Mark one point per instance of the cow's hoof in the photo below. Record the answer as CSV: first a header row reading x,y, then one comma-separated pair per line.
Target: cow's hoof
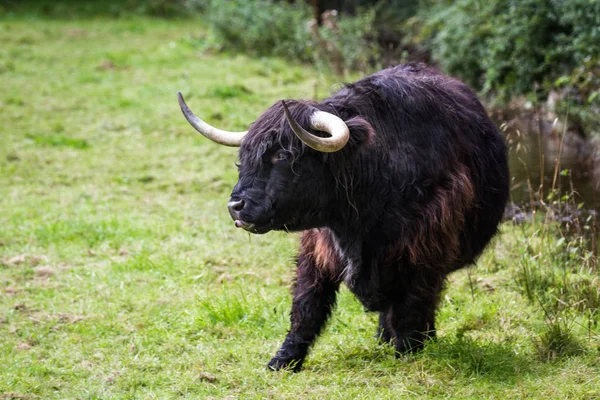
x,y
384,337
288,364
408,346
413,343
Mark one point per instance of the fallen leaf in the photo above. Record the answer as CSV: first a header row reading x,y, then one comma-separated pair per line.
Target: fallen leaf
x,y
487,285
207,377
225,277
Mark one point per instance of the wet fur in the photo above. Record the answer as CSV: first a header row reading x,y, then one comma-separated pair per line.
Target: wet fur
x,y
417,193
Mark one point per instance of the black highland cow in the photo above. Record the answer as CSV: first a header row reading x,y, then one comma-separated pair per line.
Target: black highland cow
x,y
395,181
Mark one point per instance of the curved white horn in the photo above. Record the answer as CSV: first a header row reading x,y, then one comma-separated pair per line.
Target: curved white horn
x,y
233,139
320,121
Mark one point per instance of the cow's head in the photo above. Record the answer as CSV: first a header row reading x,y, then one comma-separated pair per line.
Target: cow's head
x,y
285,182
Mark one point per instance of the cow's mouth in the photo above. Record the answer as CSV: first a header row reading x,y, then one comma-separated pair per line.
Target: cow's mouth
x,y
265,226
252,227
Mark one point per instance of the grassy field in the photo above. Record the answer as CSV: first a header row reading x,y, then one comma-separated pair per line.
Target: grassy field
x,y
122,275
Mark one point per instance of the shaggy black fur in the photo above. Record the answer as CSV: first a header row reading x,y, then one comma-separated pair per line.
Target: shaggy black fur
x,y
416,194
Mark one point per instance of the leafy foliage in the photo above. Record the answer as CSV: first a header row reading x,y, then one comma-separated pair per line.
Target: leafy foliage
x,y
267,27
504,48
261,27
508,47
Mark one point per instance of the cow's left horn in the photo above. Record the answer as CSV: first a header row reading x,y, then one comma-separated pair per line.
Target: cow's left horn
x,y
321,121
233,139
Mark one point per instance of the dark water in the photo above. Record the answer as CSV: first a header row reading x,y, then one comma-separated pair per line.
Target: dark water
x,y
542,157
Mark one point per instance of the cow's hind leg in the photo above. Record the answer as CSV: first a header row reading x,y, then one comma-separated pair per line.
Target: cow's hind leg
x,y
384,331
412,318
315,292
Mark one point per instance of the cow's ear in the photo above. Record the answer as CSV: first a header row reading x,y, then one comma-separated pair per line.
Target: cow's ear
x,y
361,131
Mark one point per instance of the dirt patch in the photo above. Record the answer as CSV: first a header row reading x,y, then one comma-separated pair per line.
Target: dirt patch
x,y
21,259
43,272
36,260
17,396
110,379
23,346
74,33
107,65
17,260
70,318
60,318
11,291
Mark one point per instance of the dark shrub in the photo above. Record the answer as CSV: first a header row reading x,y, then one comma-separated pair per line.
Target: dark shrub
x,y
509,47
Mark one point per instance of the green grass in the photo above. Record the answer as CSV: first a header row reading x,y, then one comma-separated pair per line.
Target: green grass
x,y
122,276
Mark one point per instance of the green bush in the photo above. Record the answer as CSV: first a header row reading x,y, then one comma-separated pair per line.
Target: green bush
x,y
168,8
518,47
494,45
262,27
267,27
349,45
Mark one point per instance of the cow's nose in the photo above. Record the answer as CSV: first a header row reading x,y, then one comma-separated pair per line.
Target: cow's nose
x,y
235,206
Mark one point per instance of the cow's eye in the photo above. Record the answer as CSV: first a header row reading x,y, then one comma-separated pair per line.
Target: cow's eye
x,y
279,156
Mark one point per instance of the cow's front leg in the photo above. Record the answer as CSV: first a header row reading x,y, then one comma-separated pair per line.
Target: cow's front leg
x,y
314,299
314,291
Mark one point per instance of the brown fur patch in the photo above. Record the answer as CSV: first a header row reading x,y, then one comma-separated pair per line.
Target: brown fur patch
x,y
318,245
435,238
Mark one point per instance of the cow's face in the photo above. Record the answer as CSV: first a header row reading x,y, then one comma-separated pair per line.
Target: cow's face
x,y
279,187
286,180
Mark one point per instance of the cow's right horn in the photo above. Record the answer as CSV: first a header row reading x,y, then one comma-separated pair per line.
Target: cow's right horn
x,y
324,122
226,138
